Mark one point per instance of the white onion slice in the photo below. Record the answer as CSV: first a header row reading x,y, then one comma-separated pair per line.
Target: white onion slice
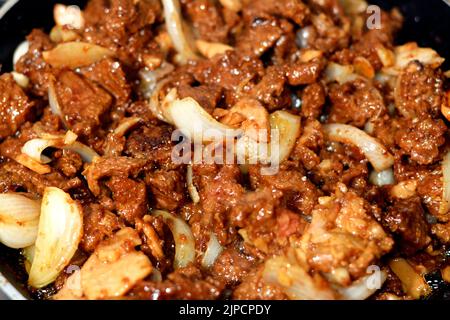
x,y
68,16
361,289
182,235
288,126
60,230
213,250
340,73
21,50
233,5
294,281
34,148
125,125
196,123
87,153
375,152
22,80
19,219
445,203
75,54
210,49
54,103
413,283
31,164
411,51
190,185
382,178
174,26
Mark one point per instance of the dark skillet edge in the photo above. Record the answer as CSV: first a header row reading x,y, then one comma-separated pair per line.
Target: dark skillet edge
x,y
426,22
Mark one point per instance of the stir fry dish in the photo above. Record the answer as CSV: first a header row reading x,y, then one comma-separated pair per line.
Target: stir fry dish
x,y
230,149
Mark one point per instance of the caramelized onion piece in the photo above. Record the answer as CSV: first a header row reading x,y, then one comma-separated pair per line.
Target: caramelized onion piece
x,y
175,26
19,219
182,235
413,283
59,233
21,49
31,164
210,49
288,126
213,251
445,203
75,54
340,73
375,152
190,185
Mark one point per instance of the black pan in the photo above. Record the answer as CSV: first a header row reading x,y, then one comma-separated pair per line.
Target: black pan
x,y
426,22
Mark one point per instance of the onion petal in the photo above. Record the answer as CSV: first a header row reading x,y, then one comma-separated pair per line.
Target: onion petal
x,y
31,164
21,50
174,26
340,73
213,250
360,289
375,152
60,230
75,54
288,126
19,219
182,235
382,178
190,185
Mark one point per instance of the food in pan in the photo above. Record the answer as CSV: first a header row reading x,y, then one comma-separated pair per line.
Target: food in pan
x,y
232,149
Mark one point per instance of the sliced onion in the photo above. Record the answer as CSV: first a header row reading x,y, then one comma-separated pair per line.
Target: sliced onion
x,y
195,122
174,26
22,80
20,51
210,49
75,54
182,235
190,185
445,203
34,148
87,153
59,233
31,164
353,6
294,281
339,73
61,34
125,125
360,289
411,51
213,250
375,152
382,178
413,283
68,16
28,254
54,103
288,127
19,219
115,266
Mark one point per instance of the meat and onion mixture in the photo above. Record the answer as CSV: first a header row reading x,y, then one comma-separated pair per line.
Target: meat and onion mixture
x,y
351,199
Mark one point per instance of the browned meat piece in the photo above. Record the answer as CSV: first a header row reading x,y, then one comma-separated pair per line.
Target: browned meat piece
x,y
33,65
130,198
298,192
421,139
258,37
407,219
69,163
207,20
326,34
114,166
15,106
313,98
343,235
183,284
232,72
294,10
254,288
167,188
36,183
303,73
152,143
355,103
418,92
271,90
231,267
109,75
98,225
219,190
82,102
206,95
429,188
